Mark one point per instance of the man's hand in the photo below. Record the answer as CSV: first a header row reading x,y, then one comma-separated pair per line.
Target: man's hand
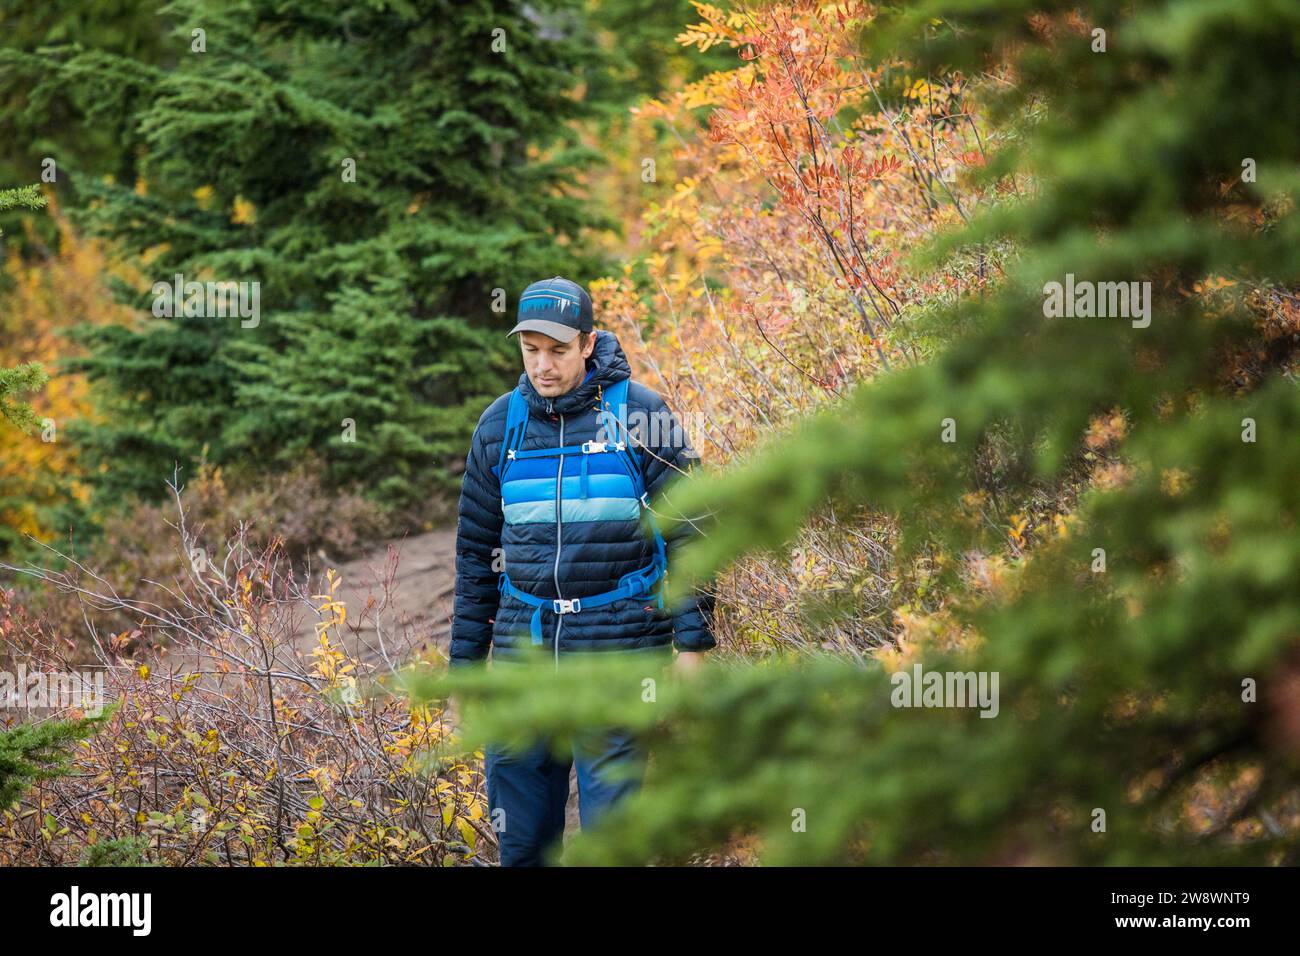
x,y
687,663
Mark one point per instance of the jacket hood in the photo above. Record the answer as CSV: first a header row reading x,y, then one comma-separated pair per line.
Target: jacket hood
x,y
606,365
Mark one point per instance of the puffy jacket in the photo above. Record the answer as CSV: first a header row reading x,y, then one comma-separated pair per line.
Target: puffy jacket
x,y
566,558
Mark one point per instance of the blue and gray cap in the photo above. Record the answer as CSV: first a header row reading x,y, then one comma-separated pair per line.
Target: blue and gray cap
x,y
556,307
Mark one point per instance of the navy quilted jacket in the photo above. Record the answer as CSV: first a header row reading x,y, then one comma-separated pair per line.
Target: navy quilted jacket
x,y
592,555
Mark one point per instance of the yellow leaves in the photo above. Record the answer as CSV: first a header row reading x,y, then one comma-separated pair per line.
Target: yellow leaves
x,y
1174,481
323,777
336,612
41,299
467,832
719,27
710,248
1212,283
919,90
143,671
243,213
1016,532
152,254
336,608
720,89
203,197
701,36
332,664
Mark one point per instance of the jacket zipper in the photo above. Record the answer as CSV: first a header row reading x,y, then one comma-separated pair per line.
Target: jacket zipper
x,y
559,528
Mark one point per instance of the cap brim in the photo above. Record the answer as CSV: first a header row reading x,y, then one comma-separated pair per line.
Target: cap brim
x,y
556,330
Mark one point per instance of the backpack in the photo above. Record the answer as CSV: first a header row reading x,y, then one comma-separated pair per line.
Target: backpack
x,y
610,469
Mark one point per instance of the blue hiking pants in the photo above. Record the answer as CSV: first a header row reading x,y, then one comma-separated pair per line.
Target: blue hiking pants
x,y
532,788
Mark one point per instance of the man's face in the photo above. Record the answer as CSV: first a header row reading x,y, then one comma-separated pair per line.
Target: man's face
x,y
554,367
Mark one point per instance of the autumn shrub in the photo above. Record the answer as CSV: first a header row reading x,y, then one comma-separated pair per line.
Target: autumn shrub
x,y
238,737
138,551
771,279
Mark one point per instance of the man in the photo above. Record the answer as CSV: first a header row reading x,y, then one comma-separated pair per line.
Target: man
x,y
560,495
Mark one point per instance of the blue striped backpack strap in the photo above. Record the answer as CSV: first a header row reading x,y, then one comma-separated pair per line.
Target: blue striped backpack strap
x,y
516,425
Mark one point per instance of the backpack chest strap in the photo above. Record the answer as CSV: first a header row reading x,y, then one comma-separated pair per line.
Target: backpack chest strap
x,y
586,448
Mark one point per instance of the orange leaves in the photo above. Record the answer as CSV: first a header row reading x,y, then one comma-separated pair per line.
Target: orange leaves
x,y
1111,475
1102,431
857,166
769,245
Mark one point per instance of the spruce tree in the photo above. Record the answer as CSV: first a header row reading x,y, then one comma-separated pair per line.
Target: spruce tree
x,y
40,750
391,178
84,128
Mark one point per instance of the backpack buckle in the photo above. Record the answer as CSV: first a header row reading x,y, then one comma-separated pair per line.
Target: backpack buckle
x,y
567,605
588,447
510,453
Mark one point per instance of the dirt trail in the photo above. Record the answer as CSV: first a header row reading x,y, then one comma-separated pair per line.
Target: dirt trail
x,y
420,597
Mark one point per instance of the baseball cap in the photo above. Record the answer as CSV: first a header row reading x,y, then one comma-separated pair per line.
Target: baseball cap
x,y
556,307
